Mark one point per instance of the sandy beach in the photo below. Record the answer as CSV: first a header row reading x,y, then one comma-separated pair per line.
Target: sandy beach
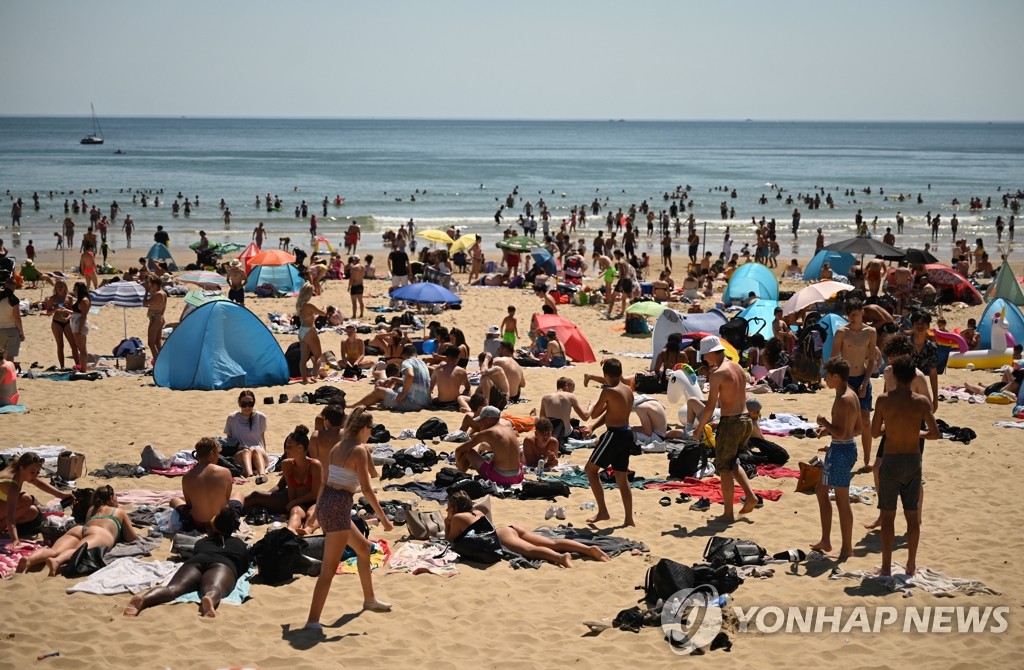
x,y
500,617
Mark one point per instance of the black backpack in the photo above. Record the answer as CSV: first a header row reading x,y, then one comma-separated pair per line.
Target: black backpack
x,y
688,461
449,476
729,551
649,382
379,434
762,452
474,488
328,395
276,556
431,428
723,578
665,578
543,490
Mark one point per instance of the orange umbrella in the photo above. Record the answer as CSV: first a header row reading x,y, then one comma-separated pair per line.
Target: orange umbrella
x,y
272,257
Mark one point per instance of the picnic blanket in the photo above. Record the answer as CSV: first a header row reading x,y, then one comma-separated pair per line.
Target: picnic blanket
x,y
420,558
238,595
380,552
711,489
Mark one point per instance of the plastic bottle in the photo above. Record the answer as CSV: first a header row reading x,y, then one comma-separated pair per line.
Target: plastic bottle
x,y
539,470
588,505
721,601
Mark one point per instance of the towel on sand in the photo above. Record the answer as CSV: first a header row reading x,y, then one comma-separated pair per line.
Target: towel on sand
x,y
9,558
711,489
13,409
925,579
380,552
419,558
238,595
125,575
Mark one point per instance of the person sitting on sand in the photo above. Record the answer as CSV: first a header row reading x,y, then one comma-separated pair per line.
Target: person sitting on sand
x,y
9,394
249,427
213,570
104,524
541,445
498,437
414,394
971,335
22,515
297,488
206,488
840,457
793,271
559,406
462,518
451,382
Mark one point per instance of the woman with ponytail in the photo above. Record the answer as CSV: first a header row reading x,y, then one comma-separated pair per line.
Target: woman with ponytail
x,y
297,489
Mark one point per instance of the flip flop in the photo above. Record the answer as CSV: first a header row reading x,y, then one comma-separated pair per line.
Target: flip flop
x,y
597,626
665,502
684,498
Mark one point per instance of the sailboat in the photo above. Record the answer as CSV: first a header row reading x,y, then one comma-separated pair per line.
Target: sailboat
x,y
97,133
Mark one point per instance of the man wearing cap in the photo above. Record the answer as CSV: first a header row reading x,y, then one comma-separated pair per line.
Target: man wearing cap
x,y
728,389
356,272
499,438
451,382
236,282
492,343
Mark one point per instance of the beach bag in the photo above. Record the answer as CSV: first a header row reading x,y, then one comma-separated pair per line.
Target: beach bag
x,y
379,434
543,490
649,382
276,556
448,477
483,548
723,578
328,395
762,452
265,291
131,346
153,460
727,551
665,578
810,475
431,428
688,461
424,525
85,561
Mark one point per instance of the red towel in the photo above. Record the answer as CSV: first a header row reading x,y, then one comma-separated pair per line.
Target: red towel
x,y
710,489
777,472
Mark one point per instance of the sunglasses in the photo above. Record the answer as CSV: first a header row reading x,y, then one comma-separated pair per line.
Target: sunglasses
x,y
246,403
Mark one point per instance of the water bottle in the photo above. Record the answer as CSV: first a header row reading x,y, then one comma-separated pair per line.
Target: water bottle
x,y
539,470
701,381
588,505
721,601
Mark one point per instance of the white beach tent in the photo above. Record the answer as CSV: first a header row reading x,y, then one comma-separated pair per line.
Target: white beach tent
x,y
672,321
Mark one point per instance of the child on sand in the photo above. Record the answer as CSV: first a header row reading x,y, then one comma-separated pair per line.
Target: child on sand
x,y
612,408
899,414
840,457
509,327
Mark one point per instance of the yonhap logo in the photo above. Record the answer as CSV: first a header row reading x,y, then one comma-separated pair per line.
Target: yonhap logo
x,y
692,619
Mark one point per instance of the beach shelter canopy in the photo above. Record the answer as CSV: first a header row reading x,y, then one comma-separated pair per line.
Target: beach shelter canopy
x,y
672,321
157,253
813,294
272,257
751,277
832,323
519,243
1014,319
867,246
221,345
426,293
438,236
647,308
125,294
247,255
576,345
839,262
284,278
759,318
1006,287
203,277
543,258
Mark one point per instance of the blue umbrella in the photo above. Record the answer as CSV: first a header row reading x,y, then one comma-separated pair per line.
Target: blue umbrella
x,y
544,259
426,293
124,294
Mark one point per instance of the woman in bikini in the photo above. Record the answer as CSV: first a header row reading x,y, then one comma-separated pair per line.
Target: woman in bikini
x,y
555,351
80,323
104,524
458,338
22,515
353,354
296,490
462,518
308,339
156,301
348,470
671,356
60,324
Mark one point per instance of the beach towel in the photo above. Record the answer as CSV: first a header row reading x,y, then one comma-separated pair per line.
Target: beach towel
x,y
143,546
380,552
48,453
710,489
238,595
783,424
419,558
147,497
577,478
425,490
9,558
926,579
13,409
777,472
609,544
1009,424
125,575
171,472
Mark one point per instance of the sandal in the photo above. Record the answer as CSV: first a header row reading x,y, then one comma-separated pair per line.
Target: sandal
x,y
683,498
665,502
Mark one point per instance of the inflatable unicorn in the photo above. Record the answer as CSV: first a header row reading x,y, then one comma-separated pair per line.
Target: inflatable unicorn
x,y
988,359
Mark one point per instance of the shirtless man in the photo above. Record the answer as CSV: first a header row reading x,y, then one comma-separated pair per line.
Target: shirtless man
x,y
559,406
782,331
540,445
451,382
902,284
900,415
612,408
356,272
206,488
236,282
476,256
327,432
874,271
728,388
493,383
495,436
258,233
840,457
513,371
857,344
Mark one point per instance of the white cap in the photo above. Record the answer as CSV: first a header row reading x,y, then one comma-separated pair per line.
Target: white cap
x,y
710,344
489,412
493,330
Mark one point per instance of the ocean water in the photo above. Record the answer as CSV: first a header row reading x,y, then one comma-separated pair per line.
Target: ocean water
x,y
460,171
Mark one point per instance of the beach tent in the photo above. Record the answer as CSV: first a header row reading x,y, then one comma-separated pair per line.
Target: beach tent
x,y
159,252
840,263
832,323
246,256
947,281
220,346
284,278
576,345
762,309
1014,318
672,321
1006,287
751,277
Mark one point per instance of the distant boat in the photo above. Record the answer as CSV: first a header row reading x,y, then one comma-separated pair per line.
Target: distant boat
x,y
97,132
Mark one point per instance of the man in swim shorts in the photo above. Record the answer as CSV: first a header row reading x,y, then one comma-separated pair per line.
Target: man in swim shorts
x,y
857,343
840,457
728,388
236,282
206,489
356,272
505,467
614,447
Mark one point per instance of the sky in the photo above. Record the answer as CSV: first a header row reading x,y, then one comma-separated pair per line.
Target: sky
x,y
910,60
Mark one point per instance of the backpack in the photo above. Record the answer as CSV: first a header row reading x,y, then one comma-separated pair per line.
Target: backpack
x,y
728,551
665,578
328,395
276,556
649,382
448,477
379,434
543,490
475,488
688,461
763,452
431,428
723,578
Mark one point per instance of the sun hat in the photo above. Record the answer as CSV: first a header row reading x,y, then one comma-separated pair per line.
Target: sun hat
x,y
709,345
493,330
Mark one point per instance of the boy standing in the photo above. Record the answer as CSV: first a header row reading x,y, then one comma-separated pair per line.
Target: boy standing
x,y
857,344
509,327
613,449
840,457
900,414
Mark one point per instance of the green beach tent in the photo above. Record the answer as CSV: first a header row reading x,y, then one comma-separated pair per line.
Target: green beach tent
x,y
1006,287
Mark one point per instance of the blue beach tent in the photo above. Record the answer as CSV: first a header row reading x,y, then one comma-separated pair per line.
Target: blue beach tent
x,y
284,278
839,262
751,277
832,323
221,345
1014,318
159,252
764,310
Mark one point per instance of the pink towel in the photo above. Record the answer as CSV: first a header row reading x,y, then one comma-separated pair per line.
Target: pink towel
x,y
777,472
